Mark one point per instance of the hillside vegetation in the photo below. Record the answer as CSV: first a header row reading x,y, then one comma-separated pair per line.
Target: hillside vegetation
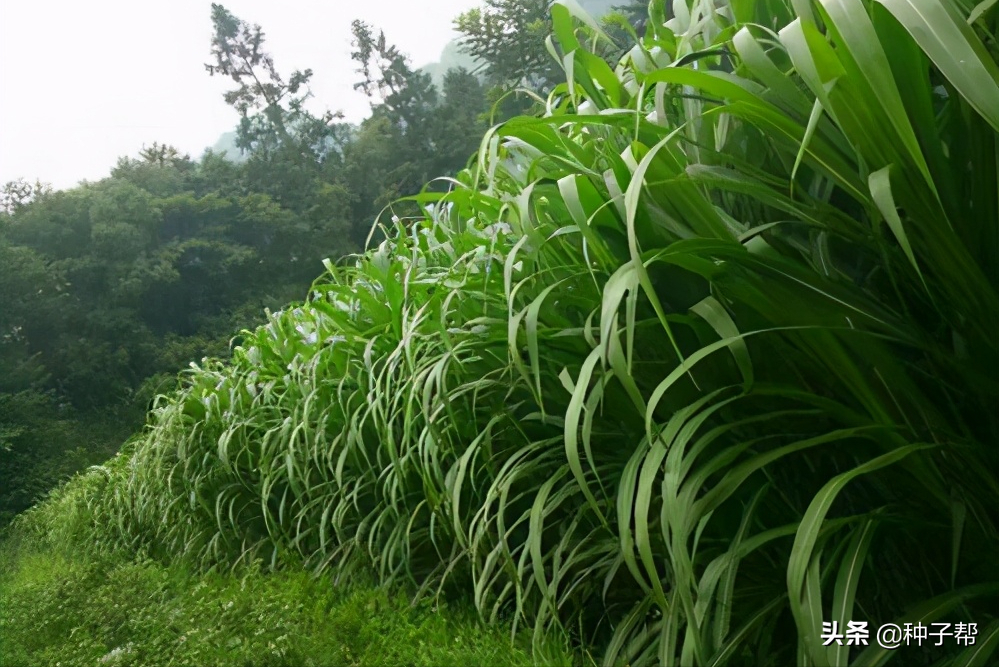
x,y
701,357
107,289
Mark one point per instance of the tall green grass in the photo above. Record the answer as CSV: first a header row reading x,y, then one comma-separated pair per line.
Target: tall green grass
x,y
702,357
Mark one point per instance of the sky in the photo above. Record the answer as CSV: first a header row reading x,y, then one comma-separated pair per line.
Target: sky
x,y
82,84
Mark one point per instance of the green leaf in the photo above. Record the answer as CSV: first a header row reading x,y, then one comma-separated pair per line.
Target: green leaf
x,y
955,48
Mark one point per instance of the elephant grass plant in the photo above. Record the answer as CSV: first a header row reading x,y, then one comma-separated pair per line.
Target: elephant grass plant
x,y
700,358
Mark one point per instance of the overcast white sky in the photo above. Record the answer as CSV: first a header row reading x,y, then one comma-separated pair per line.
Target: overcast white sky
x,y
83,83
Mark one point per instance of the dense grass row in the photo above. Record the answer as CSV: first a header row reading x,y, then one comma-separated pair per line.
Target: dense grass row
x,y
699,359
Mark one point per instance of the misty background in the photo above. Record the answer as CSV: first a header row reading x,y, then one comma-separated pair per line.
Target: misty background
x,y
85,84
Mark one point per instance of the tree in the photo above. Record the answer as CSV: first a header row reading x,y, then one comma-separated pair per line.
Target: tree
x,y
163,154
509,37
19,192
404,131
272,110
459,120
406,96
161,170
